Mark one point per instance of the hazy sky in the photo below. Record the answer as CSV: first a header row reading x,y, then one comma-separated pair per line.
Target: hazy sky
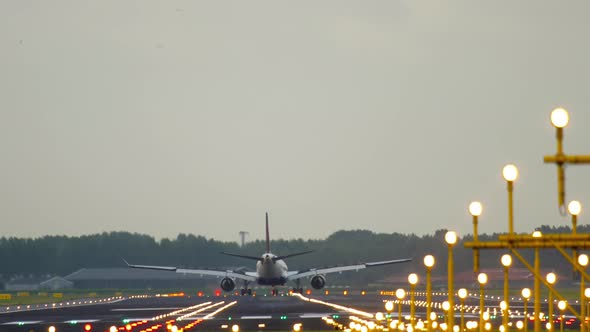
x,y
163,117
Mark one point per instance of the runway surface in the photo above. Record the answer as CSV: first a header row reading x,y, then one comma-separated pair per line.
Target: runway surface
x,y
220,313
192,313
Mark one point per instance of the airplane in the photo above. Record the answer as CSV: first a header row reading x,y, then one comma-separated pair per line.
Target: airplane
x,y
271,270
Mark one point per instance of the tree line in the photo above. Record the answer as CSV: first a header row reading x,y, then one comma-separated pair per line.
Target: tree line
x,y
61,255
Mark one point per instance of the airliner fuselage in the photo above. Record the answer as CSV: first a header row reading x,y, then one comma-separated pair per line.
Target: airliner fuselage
x,y
271,271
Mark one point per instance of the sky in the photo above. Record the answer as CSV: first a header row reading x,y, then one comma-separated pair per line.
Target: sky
x,y
167,117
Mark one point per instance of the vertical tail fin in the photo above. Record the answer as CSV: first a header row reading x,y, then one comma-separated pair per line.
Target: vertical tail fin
x,y
267,235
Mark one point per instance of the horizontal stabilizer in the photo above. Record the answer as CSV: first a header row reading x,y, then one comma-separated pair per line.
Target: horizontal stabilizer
x,y
293,255
254,258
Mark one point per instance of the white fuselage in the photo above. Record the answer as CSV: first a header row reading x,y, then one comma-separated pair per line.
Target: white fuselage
x,y
271,271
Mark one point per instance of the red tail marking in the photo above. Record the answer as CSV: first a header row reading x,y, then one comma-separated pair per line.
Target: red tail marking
x,y
267,235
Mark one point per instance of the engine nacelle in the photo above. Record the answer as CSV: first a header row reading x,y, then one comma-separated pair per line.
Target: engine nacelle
x,y
318,282
227,284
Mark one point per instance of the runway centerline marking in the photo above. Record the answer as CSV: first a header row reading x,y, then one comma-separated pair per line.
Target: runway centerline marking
x,y
23,322
256,317
144,309
74,321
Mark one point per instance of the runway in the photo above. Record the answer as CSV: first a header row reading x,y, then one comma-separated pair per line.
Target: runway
x,y
189,312
221,313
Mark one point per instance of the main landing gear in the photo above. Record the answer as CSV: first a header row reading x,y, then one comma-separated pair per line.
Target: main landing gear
x,y
297,289
245,290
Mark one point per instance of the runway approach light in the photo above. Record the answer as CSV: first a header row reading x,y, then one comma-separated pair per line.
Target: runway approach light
x,y
510,173
113,329
475,209
235,328
583,260
51,329
87,327
559,117
574,208
451,237
297,327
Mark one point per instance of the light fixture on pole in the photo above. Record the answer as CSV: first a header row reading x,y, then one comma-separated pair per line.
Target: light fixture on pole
x,y
462,292
400,293
574,208
451,239
560,119
561,306
446,306
413,280
482,278
526,295
429,262
475,209
583,261
551,279
506,262
537,284
510,174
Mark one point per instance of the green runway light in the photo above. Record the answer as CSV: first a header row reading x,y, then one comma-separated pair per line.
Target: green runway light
x,y
335,316
74,322
126,320
284,317
229,318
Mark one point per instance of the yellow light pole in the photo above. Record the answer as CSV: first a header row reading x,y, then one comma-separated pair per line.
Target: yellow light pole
x,y
503,308
389,309
574,208
506,262
413,280
551,279
560,119
561,306
446,307
526,295
583,261
462,292
429,262
586,297
400,293
451,239
510,174
482,278
475,209
537,284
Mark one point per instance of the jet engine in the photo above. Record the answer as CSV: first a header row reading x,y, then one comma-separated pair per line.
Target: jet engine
x,y
227,284
318,282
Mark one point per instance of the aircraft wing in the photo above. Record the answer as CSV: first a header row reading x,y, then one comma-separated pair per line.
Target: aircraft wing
x,y
203,272
356,267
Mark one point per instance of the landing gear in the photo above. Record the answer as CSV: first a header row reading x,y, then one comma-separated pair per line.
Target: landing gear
x,y
245,290
298,288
